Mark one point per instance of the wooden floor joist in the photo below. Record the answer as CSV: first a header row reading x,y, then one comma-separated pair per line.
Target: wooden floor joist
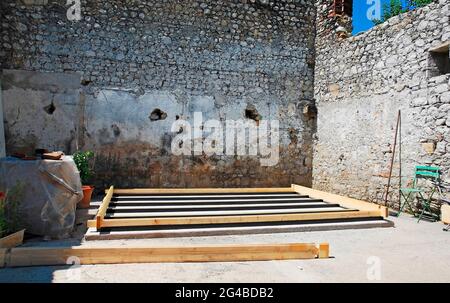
x,y
203,213
3,257
232,219
152,191
214,206
206,196
42,256
217,200
115,210
203,202
103,208
343,201
445,213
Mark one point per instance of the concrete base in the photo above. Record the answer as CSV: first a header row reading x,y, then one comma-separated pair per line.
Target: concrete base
x,y
92,234
358,255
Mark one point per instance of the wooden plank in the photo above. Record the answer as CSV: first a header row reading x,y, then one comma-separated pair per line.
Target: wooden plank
x,y
200,202
343,201
206,196
238,212
42,256
149,191
219,200
445,213
233,219
324,251
103,208
12,240
123,207
3,257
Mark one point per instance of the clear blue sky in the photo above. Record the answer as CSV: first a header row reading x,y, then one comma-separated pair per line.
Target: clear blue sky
x,y
361,22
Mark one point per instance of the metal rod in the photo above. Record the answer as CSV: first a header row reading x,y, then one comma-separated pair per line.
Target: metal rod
x,y
392,159
399,158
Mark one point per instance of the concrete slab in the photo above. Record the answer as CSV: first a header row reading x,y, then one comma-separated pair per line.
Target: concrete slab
x,y
92,234
410,252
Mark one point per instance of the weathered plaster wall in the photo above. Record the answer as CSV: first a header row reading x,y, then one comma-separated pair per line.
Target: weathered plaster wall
x,y
40,110
360,84
179,56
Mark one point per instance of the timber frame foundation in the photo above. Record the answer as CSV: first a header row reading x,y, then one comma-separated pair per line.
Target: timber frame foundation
x,y
144,198
169,209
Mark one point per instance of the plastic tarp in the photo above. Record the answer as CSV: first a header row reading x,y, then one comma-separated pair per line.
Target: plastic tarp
x,y
46,193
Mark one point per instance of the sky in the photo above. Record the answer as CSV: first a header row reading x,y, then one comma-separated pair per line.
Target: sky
x,y
361,22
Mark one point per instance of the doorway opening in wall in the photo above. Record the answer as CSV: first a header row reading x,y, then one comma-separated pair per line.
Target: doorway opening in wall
x,y
343,7
439,60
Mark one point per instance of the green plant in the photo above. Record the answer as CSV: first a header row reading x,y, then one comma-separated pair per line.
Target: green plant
x,y
420,3
377,21
10,220
396,7
82,162
391,9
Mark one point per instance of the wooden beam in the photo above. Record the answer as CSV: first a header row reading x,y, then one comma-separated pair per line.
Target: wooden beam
x,y
44,256
3,257
324,251
213,196
149,191
216,202
103,208
243,200
234,219
381,211
208,213
12,240
150,207
445,213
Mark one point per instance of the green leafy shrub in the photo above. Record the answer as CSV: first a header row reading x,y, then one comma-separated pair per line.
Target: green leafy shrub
x,y
10,220
420,3
82,162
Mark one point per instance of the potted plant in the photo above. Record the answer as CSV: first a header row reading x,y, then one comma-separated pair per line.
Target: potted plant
x,y
82,162
11,233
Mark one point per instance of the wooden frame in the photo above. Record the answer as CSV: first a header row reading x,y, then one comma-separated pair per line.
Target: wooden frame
x,y
233,219
146,191
343,201
445,213
44,256
3,257
99,218
357,208
12,240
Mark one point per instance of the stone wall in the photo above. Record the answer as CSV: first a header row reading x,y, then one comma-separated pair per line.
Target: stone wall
x,y
360,84
135,57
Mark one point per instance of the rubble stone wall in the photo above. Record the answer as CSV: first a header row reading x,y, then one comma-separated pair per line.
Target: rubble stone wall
x,y
135,58
360,84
